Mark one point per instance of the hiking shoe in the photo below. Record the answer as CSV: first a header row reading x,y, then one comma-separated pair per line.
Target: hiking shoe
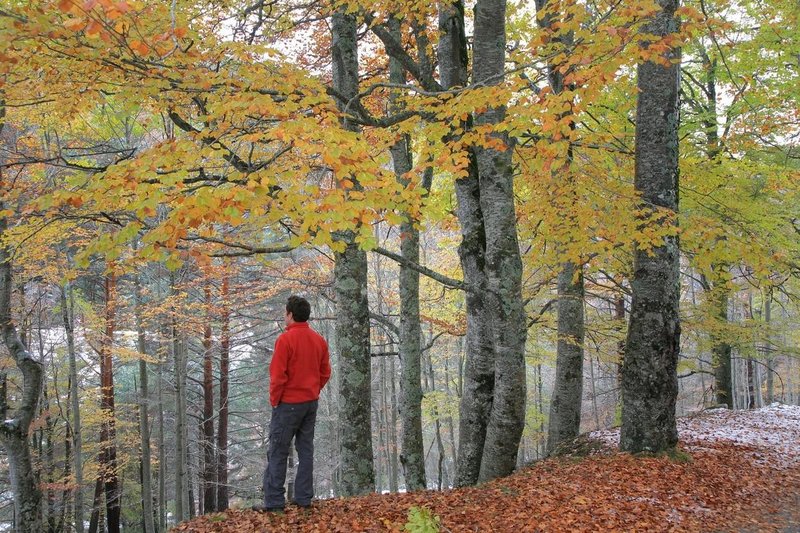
x,y
260,508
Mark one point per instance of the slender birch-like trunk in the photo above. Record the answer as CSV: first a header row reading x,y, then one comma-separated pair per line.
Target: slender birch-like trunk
x,y
108,452
68,317
209,471
412,456
181,488
224,370
144,420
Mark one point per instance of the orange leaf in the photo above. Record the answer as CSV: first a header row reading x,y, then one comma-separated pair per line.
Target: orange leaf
x,y
139,47
74,24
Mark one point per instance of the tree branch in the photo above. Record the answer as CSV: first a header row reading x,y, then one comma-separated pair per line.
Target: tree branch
x,y
425,271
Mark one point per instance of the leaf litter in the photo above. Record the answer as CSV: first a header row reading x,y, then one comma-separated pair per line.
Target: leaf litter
x,y
742,474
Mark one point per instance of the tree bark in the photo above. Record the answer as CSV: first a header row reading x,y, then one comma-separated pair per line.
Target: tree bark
x,y
108,428
208,489
751,384
68,316
14,430
352,307
412,456
719,293
181,488
224,370
97,503
478,382
768,349
649,380
144,421
393,456
619,315
721,350
355,376
162,456
565,405
503,264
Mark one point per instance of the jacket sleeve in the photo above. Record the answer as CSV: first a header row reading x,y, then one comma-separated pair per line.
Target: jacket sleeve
x,y
325,367
278,375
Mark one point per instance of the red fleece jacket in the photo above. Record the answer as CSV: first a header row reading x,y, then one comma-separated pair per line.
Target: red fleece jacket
x,y
300,365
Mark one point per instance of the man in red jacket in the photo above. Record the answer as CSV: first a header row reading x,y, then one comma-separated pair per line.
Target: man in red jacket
x,y
299,370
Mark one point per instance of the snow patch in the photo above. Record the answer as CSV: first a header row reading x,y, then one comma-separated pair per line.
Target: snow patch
x,y
775,429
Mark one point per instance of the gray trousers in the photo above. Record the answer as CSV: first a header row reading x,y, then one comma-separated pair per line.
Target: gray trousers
x,y
290,420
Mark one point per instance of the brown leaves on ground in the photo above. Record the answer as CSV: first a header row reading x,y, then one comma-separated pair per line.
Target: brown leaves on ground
x,y
724,487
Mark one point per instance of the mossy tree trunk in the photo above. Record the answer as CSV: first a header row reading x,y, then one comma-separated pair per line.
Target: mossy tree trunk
x,y
14,427
503,264
357,474
649,373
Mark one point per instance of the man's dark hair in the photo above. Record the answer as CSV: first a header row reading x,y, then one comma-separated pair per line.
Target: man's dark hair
x,y
299,307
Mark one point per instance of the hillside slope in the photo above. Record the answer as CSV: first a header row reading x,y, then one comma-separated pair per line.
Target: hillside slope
x,y
741,473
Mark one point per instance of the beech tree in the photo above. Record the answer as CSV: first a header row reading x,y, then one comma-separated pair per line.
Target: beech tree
x,y
649,371
15,426
565,405
352,307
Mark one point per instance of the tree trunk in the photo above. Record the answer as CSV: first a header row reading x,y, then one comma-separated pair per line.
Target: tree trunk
x,y
437,429
108,428
97,503
565,405
162,456
352,308
649,380
540,405
768,349
619,315
68,463
721,350
393,457
412,456
144,421
224,369
208,488
68,316
355,377
14,430
181,503
718,289
478,385
503,264
48,459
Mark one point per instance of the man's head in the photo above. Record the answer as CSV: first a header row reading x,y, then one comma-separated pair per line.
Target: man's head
x,y
297,309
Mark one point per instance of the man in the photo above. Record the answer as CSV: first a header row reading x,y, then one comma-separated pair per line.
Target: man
x,y
299,370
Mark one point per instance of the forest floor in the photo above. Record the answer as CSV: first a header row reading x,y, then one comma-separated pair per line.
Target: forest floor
x,y
738,471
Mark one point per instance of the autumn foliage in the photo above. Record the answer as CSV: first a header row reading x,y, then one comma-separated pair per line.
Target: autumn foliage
x,y
725,484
